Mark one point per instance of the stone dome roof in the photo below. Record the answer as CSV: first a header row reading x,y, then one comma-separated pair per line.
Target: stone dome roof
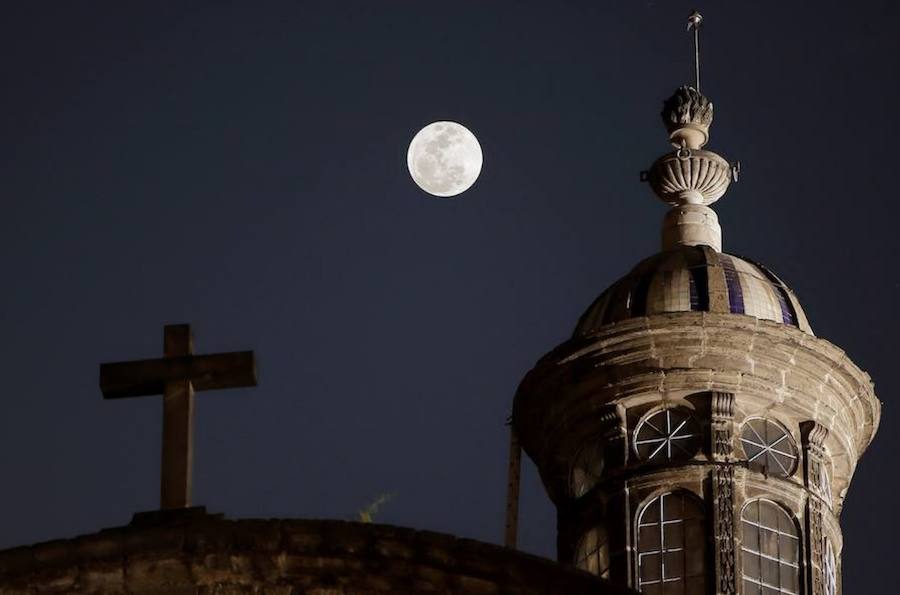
x,y
695,278
186,551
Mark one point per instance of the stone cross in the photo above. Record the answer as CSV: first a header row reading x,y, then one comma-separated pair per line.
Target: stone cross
x,y
176,376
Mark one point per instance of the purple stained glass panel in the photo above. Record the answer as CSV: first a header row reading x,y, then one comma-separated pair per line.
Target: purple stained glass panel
x,y
733,282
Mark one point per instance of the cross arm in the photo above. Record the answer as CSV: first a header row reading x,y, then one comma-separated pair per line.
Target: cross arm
x,y
206,372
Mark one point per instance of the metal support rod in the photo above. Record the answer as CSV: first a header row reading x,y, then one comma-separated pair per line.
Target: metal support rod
x,y
512,490
697,57
694,21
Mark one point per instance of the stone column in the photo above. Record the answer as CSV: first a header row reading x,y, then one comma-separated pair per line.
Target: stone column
x,y
813,435
722,450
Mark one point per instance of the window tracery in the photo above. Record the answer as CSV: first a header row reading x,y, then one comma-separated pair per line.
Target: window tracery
x,y
592,553
769,447
669,434
671,546
770,550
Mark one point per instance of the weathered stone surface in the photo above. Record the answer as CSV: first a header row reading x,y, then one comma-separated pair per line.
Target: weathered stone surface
x,y
693,361
212,556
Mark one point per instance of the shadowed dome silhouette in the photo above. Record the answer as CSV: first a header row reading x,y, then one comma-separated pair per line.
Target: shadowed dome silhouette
x,y
695,278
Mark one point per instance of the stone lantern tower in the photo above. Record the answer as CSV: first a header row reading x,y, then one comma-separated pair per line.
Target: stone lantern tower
x,y
695,435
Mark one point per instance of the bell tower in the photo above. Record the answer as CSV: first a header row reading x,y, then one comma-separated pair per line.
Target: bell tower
x,y
694,434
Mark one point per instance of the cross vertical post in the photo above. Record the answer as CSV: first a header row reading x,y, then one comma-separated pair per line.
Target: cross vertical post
x,y
178,421
176,376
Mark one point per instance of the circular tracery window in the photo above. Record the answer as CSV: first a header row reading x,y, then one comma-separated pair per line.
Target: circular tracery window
x,y
769,447
667,435
586,469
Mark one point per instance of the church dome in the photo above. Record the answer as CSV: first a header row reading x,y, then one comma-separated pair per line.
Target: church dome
x,y
695,278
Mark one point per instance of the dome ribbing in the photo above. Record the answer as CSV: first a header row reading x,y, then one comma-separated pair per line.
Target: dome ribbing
x,y
695,278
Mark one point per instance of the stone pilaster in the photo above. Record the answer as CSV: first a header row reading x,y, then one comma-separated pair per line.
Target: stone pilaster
x,y
814,435
621,540
614,434
722,426
722,450
613,431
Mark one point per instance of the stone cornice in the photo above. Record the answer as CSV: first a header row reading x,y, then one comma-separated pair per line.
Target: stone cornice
x,y
765,364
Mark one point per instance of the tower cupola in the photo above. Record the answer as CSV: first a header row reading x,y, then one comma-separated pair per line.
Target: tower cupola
x,y
694,435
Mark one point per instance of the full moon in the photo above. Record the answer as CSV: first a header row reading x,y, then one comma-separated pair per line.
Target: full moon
x,y
444,159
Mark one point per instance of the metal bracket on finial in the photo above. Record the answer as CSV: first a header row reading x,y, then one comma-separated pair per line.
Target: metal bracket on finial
x,y
695,20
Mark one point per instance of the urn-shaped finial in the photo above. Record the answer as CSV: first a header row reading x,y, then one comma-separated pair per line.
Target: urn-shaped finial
x,y
690,178
688,115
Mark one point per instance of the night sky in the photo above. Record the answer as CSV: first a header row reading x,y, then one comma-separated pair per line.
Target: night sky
x,y
241,166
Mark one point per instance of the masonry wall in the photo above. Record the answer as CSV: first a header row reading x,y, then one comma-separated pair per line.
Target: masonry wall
x,y
210,555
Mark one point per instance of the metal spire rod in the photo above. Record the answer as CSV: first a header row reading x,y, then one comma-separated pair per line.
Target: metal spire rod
x,y
513,481
694,21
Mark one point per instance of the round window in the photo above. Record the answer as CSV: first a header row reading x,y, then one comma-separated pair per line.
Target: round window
x,y
667,435
769,447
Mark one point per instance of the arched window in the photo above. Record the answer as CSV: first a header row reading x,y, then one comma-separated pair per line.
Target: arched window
x,y
769,447
672,546
770,550
667,435
586,469
830,571
592,553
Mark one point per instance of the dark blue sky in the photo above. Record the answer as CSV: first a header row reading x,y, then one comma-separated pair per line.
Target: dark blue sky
x,y
241,166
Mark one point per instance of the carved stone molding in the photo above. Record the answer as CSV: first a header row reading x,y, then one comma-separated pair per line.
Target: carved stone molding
x,y
816,547
723,405
722,426
612,421
721,409
814,435
695,177
613,431
724,526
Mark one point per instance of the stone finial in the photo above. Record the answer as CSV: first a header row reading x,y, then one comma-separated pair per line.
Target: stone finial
x,y
687,115
690,178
